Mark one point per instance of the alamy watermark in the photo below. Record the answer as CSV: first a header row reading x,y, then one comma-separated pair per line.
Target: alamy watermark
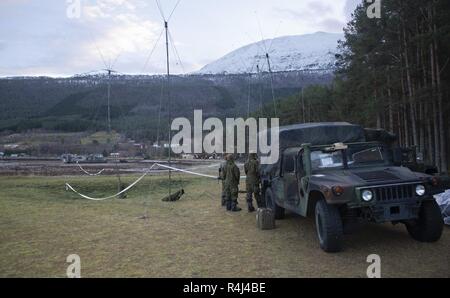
x,y
74,9
241,136
374,269
374,9
74,269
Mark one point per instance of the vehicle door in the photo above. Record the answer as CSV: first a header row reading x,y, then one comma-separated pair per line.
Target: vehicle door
x,y
290,178
302,182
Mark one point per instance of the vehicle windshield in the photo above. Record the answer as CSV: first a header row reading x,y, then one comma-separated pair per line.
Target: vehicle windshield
x,y
326,160
368,155
357,155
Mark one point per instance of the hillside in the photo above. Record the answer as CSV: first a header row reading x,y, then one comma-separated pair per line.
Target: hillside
x,y
80,103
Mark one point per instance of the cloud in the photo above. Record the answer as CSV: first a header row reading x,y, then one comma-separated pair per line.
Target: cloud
x,y
317,8
37,37
319,16
350,6
119,30
107,8
332,25
309,13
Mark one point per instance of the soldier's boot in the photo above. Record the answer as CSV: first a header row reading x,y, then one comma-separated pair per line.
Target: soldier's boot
x,y
250,203
224,201
235,208
229,205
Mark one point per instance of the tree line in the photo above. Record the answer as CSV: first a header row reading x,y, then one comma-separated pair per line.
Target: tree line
x,y
392,73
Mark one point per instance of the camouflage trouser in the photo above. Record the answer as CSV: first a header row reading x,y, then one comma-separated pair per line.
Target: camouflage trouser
x,y
254,189
231,195
224,197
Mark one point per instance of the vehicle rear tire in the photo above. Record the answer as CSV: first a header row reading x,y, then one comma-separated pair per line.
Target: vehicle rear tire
x,y
270,203
428,227
329,226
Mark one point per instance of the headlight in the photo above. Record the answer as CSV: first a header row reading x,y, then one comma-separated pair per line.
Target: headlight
x,y
338,190
420,190
435,181
367,195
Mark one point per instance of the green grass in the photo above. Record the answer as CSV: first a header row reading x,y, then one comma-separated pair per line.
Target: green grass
x,y
101,137
41,224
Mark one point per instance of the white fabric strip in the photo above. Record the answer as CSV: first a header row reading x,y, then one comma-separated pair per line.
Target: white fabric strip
x,y
69,187
90,174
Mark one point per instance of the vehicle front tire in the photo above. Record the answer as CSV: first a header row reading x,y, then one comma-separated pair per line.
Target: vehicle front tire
x,y
428,227
329,226
270,203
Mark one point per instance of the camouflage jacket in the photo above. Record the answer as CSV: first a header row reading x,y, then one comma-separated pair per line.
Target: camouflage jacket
x,y
231,175
251,168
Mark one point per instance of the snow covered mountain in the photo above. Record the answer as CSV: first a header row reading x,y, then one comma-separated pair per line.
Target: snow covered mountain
x,y
299,52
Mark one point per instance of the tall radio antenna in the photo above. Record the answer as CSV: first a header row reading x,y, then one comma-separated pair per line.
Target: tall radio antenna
x,y
109,72
166,28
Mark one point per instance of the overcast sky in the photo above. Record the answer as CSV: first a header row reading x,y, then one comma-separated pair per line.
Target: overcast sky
x,y
37,37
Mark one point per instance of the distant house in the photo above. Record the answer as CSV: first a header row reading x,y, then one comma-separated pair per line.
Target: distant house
x,y
166,145
11,146
2,154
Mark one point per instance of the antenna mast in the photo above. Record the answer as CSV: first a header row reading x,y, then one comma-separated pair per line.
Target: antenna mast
x,y
260,89
166,26
109,100
303,105
271,84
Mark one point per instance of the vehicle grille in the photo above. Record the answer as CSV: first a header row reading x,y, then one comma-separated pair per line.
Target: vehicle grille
x,y
376,176
394,192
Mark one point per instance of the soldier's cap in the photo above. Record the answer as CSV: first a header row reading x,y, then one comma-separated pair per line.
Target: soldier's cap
x,y
229,157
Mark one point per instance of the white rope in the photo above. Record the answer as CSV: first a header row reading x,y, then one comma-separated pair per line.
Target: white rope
x,y
106,198
186,171
192,173
69,187
90,174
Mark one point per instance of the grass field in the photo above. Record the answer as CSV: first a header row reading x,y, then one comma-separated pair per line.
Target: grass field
x,y
101,137
41,224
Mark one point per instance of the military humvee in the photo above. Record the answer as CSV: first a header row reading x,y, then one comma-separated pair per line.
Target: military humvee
x,y
343,174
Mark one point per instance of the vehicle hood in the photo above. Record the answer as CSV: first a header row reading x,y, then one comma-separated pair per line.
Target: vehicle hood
x,y
366,176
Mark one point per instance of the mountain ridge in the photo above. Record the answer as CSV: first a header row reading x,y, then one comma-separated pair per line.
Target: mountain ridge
x,y
315,51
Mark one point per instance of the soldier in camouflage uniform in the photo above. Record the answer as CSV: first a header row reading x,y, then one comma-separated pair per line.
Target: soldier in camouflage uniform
x,y
232,175
253,180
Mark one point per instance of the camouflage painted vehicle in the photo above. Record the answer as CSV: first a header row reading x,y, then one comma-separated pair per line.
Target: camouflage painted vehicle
x,y
342,175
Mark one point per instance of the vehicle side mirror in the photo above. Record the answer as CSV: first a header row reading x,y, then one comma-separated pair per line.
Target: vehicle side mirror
x,y
419,157
397,156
